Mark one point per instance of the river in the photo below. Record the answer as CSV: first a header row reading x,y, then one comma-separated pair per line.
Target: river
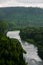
x,y
31,56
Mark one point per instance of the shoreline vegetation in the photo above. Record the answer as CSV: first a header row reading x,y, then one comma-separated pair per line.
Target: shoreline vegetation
x,y
11,51
34,36
30,23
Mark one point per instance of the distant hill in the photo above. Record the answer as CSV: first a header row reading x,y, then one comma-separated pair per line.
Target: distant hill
x,y
22,16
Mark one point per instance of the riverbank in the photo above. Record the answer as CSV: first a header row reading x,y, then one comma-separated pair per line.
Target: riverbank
x,y
33,36
31,55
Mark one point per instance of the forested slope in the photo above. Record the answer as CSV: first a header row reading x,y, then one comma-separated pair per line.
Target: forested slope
x,y
34,36
11,51
22,16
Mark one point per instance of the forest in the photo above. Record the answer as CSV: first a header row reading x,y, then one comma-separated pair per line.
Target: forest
x,y
30,23
11,51
20,17
34,36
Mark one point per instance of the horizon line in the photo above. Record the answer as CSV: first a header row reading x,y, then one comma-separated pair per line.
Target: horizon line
x,y
22,6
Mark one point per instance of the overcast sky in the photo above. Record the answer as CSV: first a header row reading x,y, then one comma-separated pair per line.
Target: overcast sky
x,y
24,3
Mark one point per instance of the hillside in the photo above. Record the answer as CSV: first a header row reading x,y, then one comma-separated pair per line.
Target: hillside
x,y
22,16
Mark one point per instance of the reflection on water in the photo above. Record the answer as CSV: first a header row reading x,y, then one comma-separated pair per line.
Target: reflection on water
x,y
31,56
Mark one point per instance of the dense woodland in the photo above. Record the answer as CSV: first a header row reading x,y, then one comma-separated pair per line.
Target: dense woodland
x,y
30,22
11,51
34,36
20,17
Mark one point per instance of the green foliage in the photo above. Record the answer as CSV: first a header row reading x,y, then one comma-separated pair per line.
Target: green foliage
x,y
3,27
20,17
34,36
11,52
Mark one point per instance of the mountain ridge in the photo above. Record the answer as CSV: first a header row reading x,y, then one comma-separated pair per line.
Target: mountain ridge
x,y
22,16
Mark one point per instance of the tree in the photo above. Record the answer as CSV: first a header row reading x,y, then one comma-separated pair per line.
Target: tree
x,y
3,27
11,52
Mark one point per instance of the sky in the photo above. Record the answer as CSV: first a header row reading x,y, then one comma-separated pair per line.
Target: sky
x,y
23,3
